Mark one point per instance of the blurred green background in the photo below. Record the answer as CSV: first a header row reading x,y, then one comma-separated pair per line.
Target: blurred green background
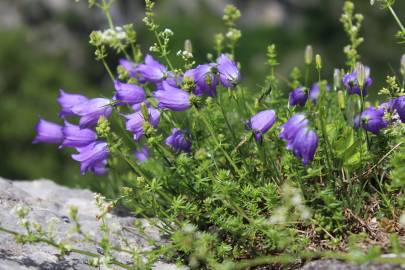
x,y
44,47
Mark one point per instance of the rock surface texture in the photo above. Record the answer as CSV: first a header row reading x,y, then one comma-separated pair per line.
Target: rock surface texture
x,y
49,201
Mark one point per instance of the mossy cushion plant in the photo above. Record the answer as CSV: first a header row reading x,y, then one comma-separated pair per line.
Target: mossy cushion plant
x,y
236,177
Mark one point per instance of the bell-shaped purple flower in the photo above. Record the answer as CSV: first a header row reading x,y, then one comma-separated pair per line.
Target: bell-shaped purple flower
x,y
171,79
315,91
356,121
74,136
48,132
229,74
172,98
129,93
372,119
93,157
152,71
130,67
290,128
261,123
298,96
91,110
352,85
305,145
178,141
67,101
136,120
204,78
399,106
142,154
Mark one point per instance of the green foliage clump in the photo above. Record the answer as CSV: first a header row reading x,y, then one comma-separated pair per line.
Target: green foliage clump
x,y
238,200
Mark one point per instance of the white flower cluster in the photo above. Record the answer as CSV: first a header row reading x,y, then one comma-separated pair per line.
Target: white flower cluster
x,y
185,54
293,209
110,35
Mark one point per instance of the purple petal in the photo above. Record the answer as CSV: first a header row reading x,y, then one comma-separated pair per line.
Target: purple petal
x,y
48,132
67,101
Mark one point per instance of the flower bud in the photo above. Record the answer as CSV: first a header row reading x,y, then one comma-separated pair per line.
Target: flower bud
x,y
403,65
188,46
318,61
337,79
309,54
361,74
145,112
341,99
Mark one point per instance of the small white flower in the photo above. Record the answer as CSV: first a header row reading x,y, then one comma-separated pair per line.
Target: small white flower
x,y
168,32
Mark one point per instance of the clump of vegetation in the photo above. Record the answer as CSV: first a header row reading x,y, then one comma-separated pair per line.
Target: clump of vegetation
x,y
240,177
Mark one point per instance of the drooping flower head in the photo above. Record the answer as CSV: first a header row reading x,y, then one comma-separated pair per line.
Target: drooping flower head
x,y
130,67
399,106
315,91
204,79
135,122
93,157
372,119
178,141
91,110
67,101
229,74
305,145
298,96
151,71
129,93
74,136
290,128
142,154
261,123
48,132
171,79
352,85
172,98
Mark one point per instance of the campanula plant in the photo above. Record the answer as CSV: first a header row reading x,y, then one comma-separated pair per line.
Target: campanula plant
x,y
234,175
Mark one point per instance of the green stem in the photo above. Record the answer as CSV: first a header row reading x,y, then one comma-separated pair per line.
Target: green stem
x,y
106,9
396,18
163,51
213,135
108,70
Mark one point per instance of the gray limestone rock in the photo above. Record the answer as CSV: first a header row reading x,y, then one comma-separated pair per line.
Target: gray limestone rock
x,y
49,202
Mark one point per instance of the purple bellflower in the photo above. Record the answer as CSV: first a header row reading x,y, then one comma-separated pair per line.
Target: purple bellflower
x,y
129,93
315,91
305,145
290,128
172,98
372,120
399,106
204,78
136,120
171,79
74,136
67,101
152,71
48,132
178,141
352,85
91,110
130,67
142,154
93,157
298,96
261,123
229,74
